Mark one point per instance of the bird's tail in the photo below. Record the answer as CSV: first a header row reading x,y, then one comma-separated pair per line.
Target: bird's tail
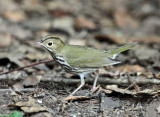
x,y
113,53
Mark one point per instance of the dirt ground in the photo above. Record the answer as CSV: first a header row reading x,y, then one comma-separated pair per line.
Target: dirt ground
x,y
128,89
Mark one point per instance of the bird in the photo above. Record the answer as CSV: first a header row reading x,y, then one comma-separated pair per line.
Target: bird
x,y
81,60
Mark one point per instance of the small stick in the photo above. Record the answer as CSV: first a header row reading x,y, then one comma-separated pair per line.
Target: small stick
x,y
19,68
18,90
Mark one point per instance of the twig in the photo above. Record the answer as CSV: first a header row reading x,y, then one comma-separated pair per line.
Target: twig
x,y
132,83
122,81
27,66
18,90
75,98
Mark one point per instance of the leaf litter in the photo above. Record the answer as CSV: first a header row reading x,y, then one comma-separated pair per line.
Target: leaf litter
x,y
41,90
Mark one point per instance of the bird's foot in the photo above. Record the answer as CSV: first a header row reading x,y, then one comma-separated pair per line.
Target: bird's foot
x,y
94,89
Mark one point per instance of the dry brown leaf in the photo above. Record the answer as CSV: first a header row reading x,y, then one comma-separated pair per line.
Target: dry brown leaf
x,y
18,86
124,21
29,107
32,80
42,114
147,39
83,23
125,91
33,108
129,68
15,16
30,102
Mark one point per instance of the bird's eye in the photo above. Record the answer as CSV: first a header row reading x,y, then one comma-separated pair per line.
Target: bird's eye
x,y
50,44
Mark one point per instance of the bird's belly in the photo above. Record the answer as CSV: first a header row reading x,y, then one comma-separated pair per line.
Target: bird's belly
x,y
75,70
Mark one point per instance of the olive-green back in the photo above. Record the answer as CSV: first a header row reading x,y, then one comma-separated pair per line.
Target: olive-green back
x,y
85,57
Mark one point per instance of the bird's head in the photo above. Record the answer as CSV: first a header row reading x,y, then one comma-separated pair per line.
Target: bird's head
x,y
52,43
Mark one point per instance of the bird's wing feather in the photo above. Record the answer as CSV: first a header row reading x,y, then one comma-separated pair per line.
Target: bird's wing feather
x,y
84,57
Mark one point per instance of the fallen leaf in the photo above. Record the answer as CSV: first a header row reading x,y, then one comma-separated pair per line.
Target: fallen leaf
x,y
125,21
29,107
30,102
15,16
125,91
32,80
42,114
129,68
83,23
18,86
33,108
148,39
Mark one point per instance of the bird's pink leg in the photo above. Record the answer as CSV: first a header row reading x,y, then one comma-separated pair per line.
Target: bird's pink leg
x,y
95,82
82,83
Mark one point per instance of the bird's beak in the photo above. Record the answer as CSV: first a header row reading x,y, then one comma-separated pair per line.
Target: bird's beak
x,y
39,43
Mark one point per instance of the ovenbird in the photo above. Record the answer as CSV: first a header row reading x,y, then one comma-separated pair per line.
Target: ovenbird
x,y
81,60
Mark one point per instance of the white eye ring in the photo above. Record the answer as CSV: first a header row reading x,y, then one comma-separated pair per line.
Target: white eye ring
x,y
50,43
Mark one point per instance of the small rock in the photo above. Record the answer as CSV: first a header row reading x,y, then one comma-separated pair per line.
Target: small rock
x,y
108,104
144,53
151,110
32,81
151,25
